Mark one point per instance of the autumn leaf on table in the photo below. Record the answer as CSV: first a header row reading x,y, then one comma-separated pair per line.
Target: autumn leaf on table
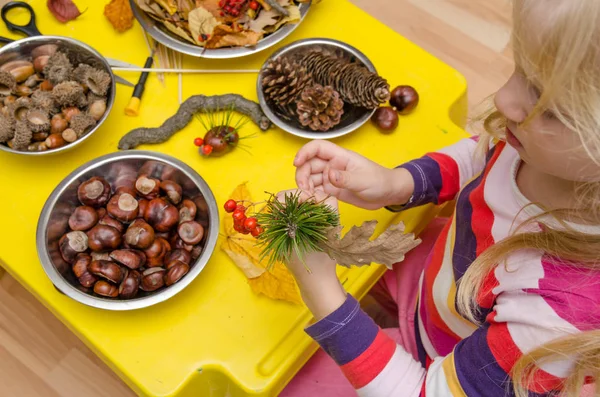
x,y
225,36
357,248
275,283
201,22
63,10
119,14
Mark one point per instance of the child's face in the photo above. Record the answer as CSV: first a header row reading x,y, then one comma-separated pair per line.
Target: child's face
x,y
545,143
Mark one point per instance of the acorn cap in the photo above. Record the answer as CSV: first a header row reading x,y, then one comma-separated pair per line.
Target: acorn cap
x,y
68,93
7,129
58,69
23,136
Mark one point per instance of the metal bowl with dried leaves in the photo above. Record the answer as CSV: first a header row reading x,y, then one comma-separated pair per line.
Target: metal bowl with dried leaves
x,y
219,28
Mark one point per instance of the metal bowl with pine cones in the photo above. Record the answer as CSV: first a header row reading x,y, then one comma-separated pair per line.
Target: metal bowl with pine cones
x,y
320,88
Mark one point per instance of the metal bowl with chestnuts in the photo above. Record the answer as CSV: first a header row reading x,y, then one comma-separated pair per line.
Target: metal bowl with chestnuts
x,y
54,93
127,230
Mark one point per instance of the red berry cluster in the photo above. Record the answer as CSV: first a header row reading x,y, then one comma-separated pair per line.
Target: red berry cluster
x,y
241,223
206,149
234,7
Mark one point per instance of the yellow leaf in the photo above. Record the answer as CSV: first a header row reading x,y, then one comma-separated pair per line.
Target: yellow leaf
x,y
119,14
225,36
178,31
201,22
275,283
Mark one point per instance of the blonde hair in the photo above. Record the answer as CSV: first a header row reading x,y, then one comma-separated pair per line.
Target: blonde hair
x,y
562,58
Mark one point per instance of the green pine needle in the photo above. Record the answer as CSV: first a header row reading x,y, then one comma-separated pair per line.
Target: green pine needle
x,y
294,227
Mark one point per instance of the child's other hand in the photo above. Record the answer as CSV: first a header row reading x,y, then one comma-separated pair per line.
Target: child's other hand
x,y
350,177
320,288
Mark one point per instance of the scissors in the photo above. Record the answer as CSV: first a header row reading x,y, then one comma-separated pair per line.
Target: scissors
x,y
31,29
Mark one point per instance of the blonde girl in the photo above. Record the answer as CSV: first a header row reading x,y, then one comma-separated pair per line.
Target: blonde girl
x,y
504,297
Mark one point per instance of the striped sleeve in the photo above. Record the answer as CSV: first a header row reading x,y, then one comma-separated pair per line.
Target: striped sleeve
x,y
439,176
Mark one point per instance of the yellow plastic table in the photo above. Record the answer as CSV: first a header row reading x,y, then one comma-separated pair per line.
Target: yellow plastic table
x,y
216,338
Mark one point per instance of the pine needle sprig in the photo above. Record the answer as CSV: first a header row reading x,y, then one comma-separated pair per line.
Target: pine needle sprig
x,y
294,227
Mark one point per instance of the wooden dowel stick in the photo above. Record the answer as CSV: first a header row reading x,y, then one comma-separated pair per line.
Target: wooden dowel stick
x,y
198,71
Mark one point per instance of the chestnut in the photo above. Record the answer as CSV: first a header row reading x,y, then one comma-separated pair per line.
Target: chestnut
x,y
147,187
130,285
94,192
404,99
104,238
178,243
143,204
196,251
72,244
139,234
161,215
123,207
112,222
103,288
107,270
155,254
153,279
187,210
173,191
175,273
178,255
191,232
385,118
126,189
87,279
101,212
80,267
101,256
127,257
83,218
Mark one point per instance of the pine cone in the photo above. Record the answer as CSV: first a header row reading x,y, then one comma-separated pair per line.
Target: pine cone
x,y
283,80
355,83
320,108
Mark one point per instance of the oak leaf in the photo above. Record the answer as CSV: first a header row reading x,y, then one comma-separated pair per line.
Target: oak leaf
x,y
225,36
357,248
119,14
275,283
265,18
63,10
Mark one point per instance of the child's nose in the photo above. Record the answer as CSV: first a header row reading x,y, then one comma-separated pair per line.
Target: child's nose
x,y
509,101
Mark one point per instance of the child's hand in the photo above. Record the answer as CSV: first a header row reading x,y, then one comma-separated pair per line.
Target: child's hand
x,y
320,288
351,177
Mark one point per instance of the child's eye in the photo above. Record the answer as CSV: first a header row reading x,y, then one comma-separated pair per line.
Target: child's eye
x,y
549,115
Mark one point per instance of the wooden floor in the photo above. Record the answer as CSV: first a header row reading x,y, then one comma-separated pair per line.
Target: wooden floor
x,y
40,357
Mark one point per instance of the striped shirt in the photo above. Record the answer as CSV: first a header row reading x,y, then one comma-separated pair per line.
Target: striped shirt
x,y
530,300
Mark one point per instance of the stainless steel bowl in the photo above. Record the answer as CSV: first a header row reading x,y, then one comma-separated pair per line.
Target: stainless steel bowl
x,y
353,117
165,37
53,222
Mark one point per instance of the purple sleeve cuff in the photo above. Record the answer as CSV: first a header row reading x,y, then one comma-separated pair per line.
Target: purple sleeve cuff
x,y
346,333
423,193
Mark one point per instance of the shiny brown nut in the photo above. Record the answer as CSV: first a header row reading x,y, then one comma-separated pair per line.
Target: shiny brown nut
x,y
87,279
126,189
69,135
101,212
191,232
178,255
110,221
178,243
40,63
44,49
46,85
80,267
72,244
94,192
106,289
187,211
83,218
58,124
153,279
37,147
130,285
33,81
175,273
155,254
133,259
107,270
161,215
55,141
40,136
20,69
23,90
143,203
101,256
123,207
9,100
172,190
148,188
97,109
104,238
139,234
69,112
196,251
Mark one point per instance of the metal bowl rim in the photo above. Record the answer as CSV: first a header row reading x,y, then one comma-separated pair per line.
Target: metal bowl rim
x,y
187,48
65,287
109,103
297,131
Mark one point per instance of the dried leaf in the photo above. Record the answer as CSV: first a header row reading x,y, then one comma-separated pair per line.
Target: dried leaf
x,y
265,18
211,5
63,10
294,17
184,7
201,22
276,283
179,31
153,9
168,5
356,248
119,14
225,36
